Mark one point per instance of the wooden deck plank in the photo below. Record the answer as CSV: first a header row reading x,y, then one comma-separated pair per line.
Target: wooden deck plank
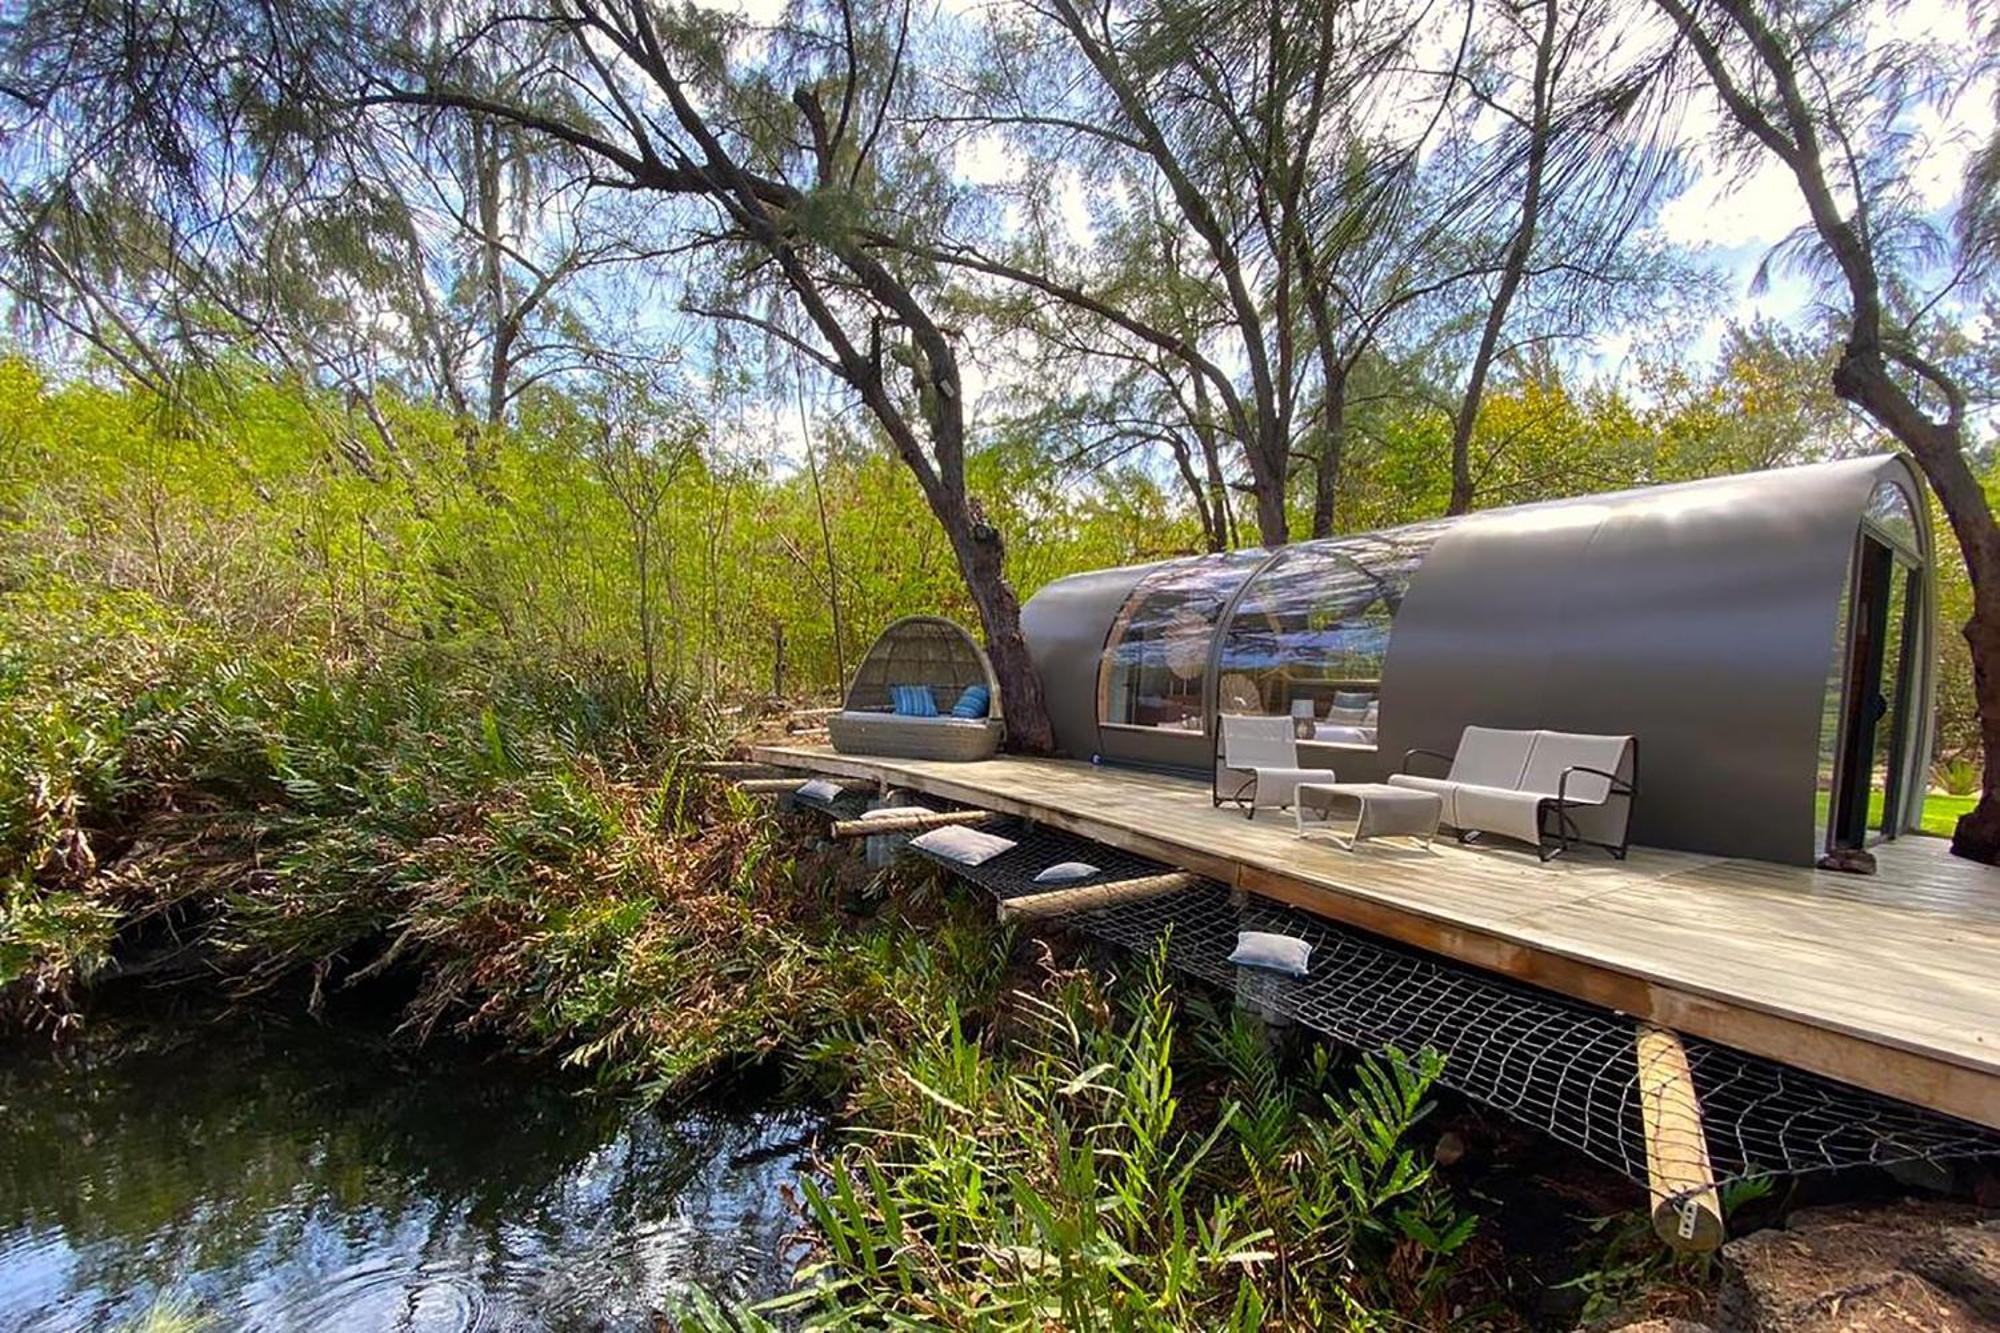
x,y
1890,982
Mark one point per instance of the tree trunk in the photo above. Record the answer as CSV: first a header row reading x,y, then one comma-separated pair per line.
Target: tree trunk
x,y
1512,271
1218,490
1862,378
825,539
981,561
1220,505
1213,536
1267,482
1333,441
647,648
1977,833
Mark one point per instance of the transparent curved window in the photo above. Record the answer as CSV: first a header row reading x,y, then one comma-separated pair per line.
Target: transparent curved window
x,y
1891,513
1311,633
1156,659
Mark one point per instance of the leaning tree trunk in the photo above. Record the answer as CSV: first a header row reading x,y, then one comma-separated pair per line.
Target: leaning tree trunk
x,y
1977,834
982,562
1862,377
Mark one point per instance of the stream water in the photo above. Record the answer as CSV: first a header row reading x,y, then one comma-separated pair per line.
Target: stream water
x,y
286,1177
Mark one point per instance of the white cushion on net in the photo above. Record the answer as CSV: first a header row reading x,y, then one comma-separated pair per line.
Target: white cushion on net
x,y
1273,953
819,789
967,846
1062,872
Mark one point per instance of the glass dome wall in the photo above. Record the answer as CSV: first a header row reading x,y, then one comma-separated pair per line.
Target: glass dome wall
x,y
1155,665
1309,636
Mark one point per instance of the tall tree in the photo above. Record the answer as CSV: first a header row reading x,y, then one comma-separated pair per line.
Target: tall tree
x,y
1290,196
773,153
1805,85
805,215
1269,221
1567,150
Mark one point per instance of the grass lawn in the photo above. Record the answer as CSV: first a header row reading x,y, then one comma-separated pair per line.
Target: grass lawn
x,y
1941,812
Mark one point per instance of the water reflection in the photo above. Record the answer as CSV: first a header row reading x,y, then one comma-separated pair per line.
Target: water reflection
x,y
285,1178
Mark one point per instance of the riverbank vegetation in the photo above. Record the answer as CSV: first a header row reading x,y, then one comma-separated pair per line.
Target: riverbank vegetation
x,y
528,855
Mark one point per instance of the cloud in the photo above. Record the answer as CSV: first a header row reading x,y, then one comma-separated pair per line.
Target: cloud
x,y
1725,210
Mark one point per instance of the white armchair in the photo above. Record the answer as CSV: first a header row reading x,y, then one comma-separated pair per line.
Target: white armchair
x,y
1257,764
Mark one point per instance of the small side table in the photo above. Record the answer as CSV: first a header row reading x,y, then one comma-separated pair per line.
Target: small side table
x,y
1379,811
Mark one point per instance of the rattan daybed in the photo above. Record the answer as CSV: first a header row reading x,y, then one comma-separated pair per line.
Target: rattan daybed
x,y
927,651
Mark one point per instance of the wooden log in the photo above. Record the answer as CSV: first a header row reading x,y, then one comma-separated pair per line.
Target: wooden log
x,y
1084,897
747,767
1687,1212
767,786
917,821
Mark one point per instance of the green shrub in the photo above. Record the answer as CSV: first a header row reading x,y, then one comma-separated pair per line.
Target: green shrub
x,y
1958,777
1057,1179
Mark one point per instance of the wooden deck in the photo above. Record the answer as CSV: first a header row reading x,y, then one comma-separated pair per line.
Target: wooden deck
x,y
1891,982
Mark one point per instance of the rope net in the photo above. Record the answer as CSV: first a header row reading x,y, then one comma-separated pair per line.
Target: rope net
x,y
1567,1068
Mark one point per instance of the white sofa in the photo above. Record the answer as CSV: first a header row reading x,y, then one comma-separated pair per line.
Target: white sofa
x,y
1549,789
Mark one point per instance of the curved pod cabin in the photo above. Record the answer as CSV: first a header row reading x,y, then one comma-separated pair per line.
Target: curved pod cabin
x,y
1766,637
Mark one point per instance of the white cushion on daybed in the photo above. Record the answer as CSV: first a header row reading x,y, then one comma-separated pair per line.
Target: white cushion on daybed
x,y
1062,872
902,719
967,846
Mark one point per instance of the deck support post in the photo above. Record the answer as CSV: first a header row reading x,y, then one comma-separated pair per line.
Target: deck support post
x,y
1687,1212
1084,897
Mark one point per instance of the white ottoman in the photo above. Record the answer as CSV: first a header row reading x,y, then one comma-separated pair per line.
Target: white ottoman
x,y
1378,810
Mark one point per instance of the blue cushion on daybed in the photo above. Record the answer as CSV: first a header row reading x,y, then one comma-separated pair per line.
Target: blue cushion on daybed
x,y
913,700
975,702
